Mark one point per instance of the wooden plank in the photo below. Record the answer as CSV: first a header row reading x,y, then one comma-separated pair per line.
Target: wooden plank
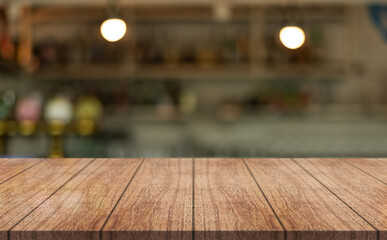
x,y
306,208
9,167
20,195
157,204
377,167
229,204
366,195
89,197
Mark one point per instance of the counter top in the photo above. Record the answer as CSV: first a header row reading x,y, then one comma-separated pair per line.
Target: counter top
x,y
193,199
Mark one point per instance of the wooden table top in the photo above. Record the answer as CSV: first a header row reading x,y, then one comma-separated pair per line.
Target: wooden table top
x,y
193,199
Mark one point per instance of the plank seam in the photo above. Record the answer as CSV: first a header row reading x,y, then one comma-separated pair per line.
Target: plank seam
x,y
119,199
267,200
193,198
377,231
364,171
17,174
52,194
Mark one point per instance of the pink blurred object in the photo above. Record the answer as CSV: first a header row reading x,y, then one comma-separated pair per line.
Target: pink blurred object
x,y
29,108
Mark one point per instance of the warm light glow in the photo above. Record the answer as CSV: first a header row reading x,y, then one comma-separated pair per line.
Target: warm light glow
x,y
222,12
292,37
113,29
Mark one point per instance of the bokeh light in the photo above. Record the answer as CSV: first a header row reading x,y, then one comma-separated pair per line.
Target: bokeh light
x,y
113,29
292,37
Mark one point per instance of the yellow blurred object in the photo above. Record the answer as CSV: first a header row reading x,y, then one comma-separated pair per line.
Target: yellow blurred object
x,y
56,128
88,107
88,110
27,127
56,150
86,127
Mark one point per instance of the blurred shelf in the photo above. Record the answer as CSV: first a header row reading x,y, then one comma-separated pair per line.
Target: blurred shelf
x,y
141,113
183,72
95,71
195,72
90,72
332,69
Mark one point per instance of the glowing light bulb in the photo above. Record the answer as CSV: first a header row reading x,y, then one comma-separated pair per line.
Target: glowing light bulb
x,y
113,29
292,37
59,109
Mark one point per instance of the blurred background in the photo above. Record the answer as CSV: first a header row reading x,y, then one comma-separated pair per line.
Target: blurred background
x,y
193,78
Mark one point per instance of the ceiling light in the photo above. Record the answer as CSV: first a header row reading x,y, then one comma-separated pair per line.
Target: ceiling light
x,y
113,29
292,37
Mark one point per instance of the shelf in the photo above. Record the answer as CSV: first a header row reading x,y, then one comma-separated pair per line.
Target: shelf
x,y
221,72
183,72
332,69
95,71
125,72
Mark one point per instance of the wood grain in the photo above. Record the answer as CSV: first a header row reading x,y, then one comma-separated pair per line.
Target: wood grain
x,y
366,195
305,207
81,207
376,167
175,199
20,195
9,167
157,204
229,204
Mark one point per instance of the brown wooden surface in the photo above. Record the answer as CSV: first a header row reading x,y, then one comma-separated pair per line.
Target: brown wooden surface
x,y
20,195
364,194
9,167
375,167
229,205
157,204
305,207
79,209
193,199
